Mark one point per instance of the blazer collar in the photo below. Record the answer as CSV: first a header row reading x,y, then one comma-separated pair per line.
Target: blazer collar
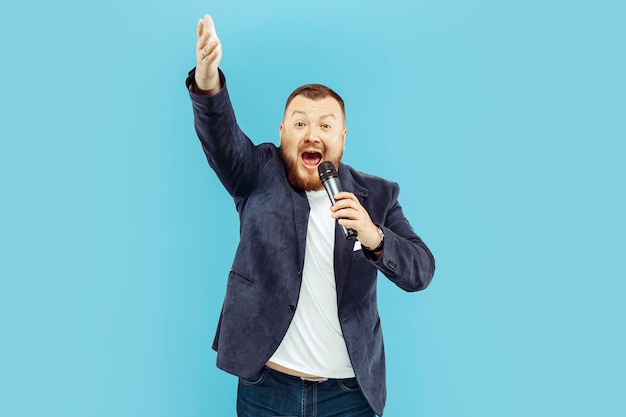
x,y
348,182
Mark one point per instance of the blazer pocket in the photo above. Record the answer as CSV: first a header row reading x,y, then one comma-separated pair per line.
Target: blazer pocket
x,y
376,326
236,277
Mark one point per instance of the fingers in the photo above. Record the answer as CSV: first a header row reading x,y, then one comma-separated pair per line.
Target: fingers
x,y
344,200
207,36
208,47
205,26
208,23
350,213
208,52
347,206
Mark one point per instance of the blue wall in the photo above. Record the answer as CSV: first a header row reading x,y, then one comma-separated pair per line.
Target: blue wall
x,y
504,122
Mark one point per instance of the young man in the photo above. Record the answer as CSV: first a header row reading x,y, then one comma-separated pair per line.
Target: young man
x,y
300,324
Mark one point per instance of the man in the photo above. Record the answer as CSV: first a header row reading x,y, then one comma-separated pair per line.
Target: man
x,y
300,324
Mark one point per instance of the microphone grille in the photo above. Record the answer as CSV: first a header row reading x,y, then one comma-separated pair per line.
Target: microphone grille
x,y
326,170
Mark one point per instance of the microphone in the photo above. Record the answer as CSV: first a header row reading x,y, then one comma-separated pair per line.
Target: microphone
x,y
330,181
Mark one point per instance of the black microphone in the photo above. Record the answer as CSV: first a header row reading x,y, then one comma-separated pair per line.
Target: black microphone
x,y
330,181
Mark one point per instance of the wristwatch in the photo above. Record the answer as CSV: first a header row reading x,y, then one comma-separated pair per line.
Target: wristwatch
x,y
380,245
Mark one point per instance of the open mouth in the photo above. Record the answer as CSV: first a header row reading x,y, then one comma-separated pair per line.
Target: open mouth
x,y
311,159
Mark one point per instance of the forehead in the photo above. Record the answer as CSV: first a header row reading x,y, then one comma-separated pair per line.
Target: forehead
x,y
327,106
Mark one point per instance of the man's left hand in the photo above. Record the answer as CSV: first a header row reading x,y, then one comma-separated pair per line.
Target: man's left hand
x,y
350,213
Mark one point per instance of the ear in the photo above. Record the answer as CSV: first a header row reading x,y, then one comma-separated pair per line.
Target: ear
x,y
343,137
280,133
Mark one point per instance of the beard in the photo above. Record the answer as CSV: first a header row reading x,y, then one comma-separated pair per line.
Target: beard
x,y
309,181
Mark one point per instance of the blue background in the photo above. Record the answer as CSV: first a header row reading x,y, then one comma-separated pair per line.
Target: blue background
x,y
503,121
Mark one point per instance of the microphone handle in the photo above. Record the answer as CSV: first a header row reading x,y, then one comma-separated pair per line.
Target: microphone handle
x,y
333,187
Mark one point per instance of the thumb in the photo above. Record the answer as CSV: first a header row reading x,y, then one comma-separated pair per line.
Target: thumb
x,y
200,28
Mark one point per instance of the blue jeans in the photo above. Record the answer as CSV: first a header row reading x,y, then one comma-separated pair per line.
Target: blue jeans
x,y
269,393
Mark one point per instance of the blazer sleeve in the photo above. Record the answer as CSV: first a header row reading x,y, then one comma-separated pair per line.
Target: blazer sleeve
x,y
231,154
406,260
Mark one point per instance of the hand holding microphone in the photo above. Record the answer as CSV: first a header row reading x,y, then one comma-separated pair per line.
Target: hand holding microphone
x,y
347,209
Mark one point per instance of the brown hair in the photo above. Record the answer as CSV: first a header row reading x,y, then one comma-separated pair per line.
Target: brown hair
x,y
316,92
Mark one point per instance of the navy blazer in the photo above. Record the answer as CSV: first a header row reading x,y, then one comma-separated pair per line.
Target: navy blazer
x,y
264,282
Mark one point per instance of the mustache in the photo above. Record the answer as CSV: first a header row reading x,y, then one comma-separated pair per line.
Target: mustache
x,y
309,148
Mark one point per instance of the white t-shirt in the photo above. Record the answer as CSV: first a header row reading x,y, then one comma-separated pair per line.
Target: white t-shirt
x,y
314,342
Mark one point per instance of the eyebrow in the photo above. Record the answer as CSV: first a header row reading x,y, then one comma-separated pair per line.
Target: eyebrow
x,y
324,116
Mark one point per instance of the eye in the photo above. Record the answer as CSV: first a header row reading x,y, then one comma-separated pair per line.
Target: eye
x,y
325,126
299,124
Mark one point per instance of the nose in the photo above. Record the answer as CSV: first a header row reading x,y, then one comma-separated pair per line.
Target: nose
x,y
312,134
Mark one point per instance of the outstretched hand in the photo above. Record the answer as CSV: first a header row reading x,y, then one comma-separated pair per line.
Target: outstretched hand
x,y
208,57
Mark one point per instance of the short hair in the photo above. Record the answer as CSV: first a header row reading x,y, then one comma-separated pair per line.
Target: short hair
x,y
316,92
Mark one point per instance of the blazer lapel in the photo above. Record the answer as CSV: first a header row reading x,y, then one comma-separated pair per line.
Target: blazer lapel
x,y
344,248
301,218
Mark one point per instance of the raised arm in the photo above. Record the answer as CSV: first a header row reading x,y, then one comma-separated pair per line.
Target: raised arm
x,y
231,154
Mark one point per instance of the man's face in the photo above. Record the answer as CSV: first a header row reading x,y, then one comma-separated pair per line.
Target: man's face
x,y
311,132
